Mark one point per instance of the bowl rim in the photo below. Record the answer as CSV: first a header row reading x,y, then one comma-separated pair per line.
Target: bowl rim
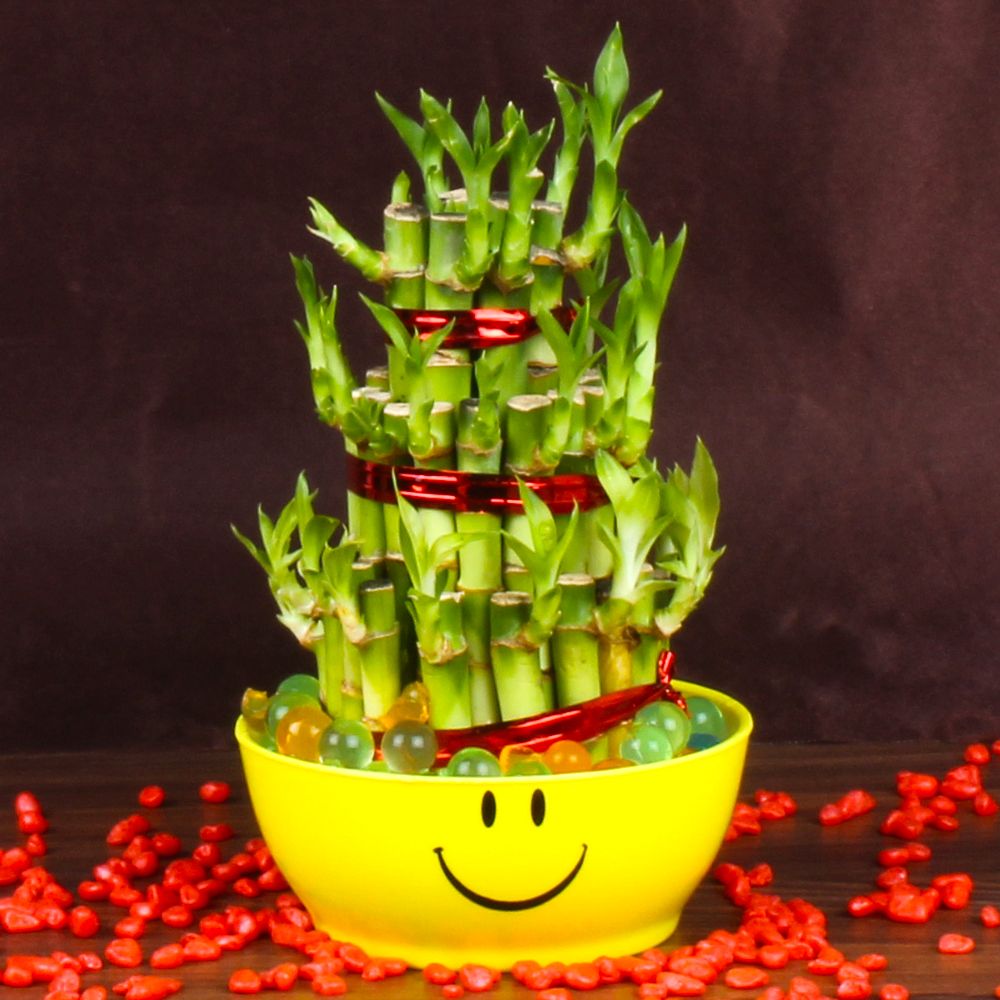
x,y
729,704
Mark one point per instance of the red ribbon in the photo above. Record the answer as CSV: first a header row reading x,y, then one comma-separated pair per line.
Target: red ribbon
x,y
479,328
581,722
477,492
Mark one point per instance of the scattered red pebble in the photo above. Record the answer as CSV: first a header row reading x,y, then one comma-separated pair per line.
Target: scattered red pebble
x,y
439,975
215,832
124,952
977,753
214,791
746,977
955,944
452,991
83,922
679,985
989,916
849,806
893,991
985,805
873,962
854,989
477,978
152,796
245,981
331,985
582,976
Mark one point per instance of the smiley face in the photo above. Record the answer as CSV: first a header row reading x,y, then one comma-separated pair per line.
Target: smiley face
x,y
494,870
488,810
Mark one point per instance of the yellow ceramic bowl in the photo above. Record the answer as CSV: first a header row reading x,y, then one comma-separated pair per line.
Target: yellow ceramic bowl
x,y
571,867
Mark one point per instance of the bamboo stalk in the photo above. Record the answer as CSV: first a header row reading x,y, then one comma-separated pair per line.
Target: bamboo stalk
x,y
527,420
647,652
521,689
449,377
574,642
431,434
446,241
329,651
381,681
405,238
445,668
479,450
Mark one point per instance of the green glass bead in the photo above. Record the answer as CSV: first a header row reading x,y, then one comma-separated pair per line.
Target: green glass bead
x,y
347,743
305,683
646,744
702,741
670,718
473,762
409,747
706,720
528,767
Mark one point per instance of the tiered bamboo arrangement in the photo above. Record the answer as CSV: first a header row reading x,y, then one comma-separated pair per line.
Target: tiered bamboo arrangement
x,y
500,617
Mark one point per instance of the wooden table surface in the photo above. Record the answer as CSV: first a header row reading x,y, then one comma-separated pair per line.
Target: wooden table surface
x,y
83,794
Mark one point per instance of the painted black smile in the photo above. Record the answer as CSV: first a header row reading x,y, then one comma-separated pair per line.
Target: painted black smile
x,y
508,905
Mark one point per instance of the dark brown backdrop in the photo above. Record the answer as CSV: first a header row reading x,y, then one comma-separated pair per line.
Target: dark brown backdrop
x,y
833,334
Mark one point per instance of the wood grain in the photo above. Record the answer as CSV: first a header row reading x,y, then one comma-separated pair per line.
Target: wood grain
x,y
83,794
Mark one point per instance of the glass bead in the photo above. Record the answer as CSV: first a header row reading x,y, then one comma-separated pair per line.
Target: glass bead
x,y
347,743
306,683
280,704
613,763
409,747
473,762
528,766
413,704
702,741
253,708
567,756
647,745
299,731
669,717
515,754
706,719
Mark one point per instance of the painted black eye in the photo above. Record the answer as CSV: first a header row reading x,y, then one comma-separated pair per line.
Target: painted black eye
x,y
489,808
537,806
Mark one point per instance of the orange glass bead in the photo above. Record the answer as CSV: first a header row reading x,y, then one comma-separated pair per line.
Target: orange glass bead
x,y
567,756
299,732
610,763
412,705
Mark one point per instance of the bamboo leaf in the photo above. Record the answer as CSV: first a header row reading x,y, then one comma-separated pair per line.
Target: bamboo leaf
x,y
616,481
629,122
449,133
317,533
395,329
567,161
303,502
544,616
401,189
410,131
413,543
611,75
369,262
705,487
259,554
481,128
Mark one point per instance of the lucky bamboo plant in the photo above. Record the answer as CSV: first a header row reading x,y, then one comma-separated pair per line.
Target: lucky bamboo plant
x,y
509,608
